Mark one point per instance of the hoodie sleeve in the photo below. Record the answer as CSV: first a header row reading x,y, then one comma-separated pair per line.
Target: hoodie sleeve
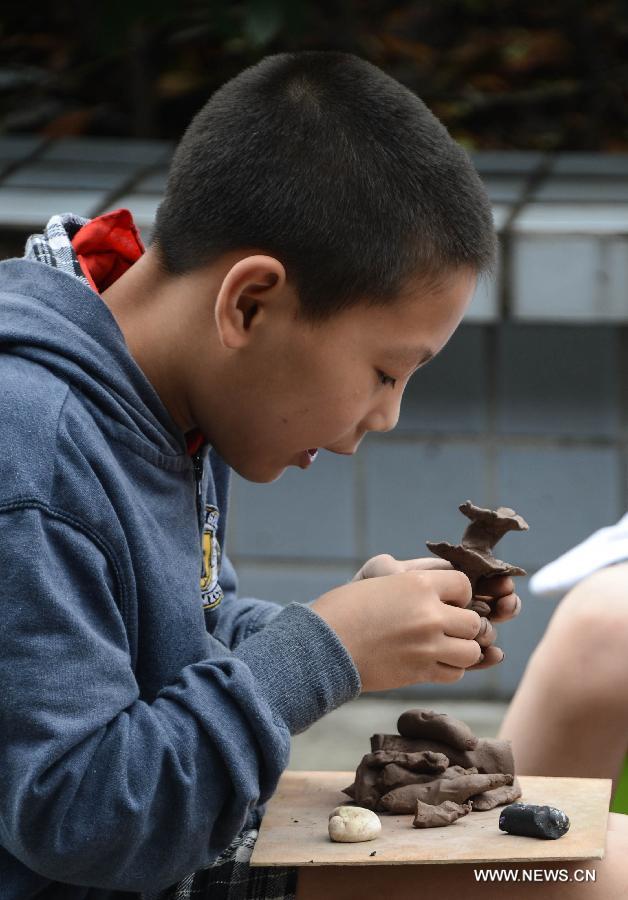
x,y
101,788
240,617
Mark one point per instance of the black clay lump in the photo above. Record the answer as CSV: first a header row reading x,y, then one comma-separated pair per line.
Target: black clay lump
x,y
528,820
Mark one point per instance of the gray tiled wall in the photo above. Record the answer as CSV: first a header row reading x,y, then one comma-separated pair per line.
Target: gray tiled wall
x,y
530,416
558,380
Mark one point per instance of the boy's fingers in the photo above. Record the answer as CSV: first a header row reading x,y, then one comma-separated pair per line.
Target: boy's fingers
x,y
506,608
444,674
463,623
487,635
467,624
385,564
452,586
424,564
459,654
494,586
492,656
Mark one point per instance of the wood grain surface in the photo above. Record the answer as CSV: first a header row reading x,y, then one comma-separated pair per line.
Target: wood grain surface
x,y
294,829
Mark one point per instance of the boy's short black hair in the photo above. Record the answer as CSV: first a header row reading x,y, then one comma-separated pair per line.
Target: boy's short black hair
x,y
323,161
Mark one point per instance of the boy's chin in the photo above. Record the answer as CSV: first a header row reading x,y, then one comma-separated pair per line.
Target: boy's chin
x,y
263,471
258,472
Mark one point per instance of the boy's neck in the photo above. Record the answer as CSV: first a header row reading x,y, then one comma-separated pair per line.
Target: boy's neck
x,y
152,320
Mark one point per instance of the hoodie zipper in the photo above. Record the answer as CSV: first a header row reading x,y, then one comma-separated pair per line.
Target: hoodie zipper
x,y
197,461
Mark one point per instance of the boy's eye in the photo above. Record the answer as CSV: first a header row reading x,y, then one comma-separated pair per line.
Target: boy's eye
x,y
386,379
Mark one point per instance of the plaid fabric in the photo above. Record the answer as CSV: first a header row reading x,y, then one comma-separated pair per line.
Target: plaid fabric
x,y
54,246
231,878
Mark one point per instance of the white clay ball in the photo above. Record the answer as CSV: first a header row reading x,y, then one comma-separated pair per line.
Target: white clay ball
x,y
350,824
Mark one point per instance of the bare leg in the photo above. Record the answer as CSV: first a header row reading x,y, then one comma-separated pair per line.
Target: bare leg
x,y
438,882
569,715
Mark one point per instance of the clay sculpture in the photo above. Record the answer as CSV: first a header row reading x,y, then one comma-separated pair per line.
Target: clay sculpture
x,y
488,755
435,768
446,813
422,723
474,555
507,793
368,775
458,789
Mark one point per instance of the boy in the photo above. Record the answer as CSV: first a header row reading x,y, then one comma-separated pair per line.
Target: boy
x,y
319,240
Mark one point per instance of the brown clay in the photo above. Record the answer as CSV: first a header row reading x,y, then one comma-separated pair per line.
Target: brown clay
x,y
365,790
458,789
393,776
489,755
425,723
401,770
452,771
473,555
499,796
421,761
407,745
481,607
368,785
427,816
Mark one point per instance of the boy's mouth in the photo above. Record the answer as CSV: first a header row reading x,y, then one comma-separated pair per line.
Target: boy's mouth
x,y
308,457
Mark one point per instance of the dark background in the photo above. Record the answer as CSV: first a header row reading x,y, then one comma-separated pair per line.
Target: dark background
x,y
500,74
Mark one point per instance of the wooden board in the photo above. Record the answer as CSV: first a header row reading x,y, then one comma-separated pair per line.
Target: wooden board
x,y
294,829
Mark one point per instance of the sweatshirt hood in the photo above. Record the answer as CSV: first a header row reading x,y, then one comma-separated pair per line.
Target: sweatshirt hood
x,y
50,315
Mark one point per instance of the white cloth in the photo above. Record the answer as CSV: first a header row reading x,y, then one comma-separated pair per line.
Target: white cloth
x,y
603,548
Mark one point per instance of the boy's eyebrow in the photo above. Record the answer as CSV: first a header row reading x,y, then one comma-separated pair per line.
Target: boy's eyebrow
x,y
409,356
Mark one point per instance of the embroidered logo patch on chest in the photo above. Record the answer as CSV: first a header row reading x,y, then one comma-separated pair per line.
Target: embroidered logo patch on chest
x,y
211,592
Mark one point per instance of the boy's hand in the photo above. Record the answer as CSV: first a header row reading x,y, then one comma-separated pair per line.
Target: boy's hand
x,y
385,564
498,590
408,627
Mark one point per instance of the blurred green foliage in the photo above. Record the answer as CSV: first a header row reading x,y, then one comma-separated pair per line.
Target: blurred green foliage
x,y
499,73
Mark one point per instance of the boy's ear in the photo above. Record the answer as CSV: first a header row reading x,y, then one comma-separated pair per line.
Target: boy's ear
x,y
246,289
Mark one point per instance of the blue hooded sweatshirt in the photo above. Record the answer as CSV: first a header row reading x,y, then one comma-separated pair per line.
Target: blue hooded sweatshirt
x,y
145,709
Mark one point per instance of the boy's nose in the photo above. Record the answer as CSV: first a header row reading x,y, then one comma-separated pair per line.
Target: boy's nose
x,y
384,417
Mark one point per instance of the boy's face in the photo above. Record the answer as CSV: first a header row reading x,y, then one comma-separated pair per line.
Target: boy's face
x,y
298,387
